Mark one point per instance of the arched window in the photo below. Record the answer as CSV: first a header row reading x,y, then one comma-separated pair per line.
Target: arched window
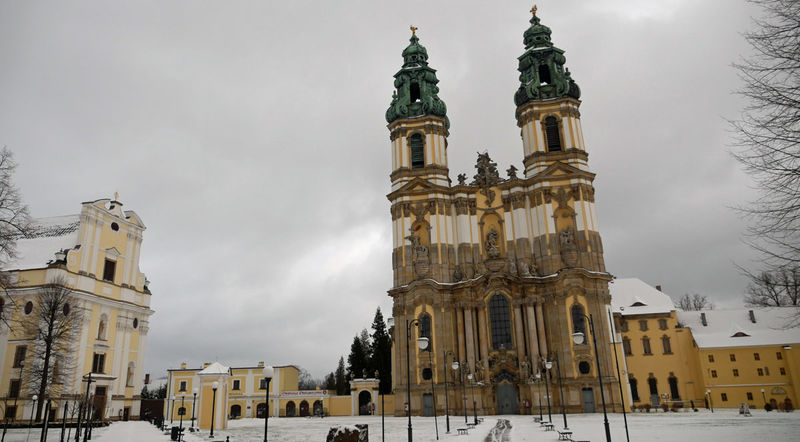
x,y
646,346
417,144
578,321
553,135
415,92
666,344
261,410
291,409
500,320
425,329
673,387
634,388
653,384
236,410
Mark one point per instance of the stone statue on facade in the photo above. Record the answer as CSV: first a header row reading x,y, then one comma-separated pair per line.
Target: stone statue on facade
x,y
492,239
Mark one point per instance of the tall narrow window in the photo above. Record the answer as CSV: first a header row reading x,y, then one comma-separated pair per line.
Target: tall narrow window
x,y
553,136
646,346
425,329
108,270
19,355
182,386
634,388
662,324
666,344
578,321
500,322
653,384
98,363
417,151
13,388
673,387
129,377
626,346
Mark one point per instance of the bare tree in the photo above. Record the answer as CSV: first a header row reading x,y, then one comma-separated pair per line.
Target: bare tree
x,y
52,328
768,132
694,302
15,222
777,288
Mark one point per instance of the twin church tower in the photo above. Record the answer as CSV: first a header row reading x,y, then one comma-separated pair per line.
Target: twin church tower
x,y
497,271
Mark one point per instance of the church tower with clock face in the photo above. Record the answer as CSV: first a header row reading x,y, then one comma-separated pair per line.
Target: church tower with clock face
x,y
501,274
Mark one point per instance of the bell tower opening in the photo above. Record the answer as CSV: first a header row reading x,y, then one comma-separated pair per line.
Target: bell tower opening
x,y
544,74
415,94
417,150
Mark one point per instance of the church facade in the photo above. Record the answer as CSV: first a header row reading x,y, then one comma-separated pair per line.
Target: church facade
x,y
498,272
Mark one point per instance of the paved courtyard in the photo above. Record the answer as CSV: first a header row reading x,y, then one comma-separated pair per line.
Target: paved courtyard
x,y
723,425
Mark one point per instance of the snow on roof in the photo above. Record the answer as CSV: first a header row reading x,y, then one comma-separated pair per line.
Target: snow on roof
x,y
49,236
632,296
215,368
733,327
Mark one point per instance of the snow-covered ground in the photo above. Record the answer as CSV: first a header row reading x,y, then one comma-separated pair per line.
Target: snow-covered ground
x,y
722,425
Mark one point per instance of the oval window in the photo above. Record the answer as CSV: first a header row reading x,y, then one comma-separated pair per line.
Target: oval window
x,y
427,374
584,367
114,227
28,307
135,322
66,309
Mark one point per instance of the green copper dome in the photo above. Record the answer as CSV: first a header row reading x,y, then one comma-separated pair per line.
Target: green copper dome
x,y
415,84
542,72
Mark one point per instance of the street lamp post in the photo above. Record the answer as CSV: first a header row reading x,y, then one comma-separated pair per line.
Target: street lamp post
x,y
30,422
433,387
447,396
80,409
561,392
269,372
547,377
423,344
380,391
214,386
194,399
763,395
539,381
619,379
181,412
708,393
578,339
474,404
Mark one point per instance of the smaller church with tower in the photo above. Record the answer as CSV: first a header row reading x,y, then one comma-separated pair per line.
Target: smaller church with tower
x,y
497,272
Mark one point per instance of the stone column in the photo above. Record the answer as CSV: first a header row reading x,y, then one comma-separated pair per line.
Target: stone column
x,y
518,331
482,331
470,337
540,328
461,334
533,341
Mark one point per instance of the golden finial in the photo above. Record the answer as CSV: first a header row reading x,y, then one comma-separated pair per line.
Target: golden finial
x,y
413,30
533,10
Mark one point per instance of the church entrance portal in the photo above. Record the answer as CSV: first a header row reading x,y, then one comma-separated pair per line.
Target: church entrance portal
x,y
506,399
588,400
427,404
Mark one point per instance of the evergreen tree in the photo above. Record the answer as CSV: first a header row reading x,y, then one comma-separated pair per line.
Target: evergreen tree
x,y
330,382
358,360
381,352
341,378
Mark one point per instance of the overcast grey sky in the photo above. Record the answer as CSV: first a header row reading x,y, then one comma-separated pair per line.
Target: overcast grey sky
x,y
250,137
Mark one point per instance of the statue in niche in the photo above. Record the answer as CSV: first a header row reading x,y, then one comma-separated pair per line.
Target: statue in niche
x,y
569,251
512,266
524,269
458,274
492,239
523,369
512,172
419,255
462,179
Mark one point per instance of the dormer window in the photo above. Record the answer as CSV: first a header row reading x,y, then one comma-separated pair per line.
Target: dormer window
x,y
417,151
740,335
552,134
638,304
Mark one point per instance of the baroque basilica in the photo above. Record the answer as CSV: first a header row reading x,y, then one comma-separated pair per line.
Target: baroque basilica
x,y
498,272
